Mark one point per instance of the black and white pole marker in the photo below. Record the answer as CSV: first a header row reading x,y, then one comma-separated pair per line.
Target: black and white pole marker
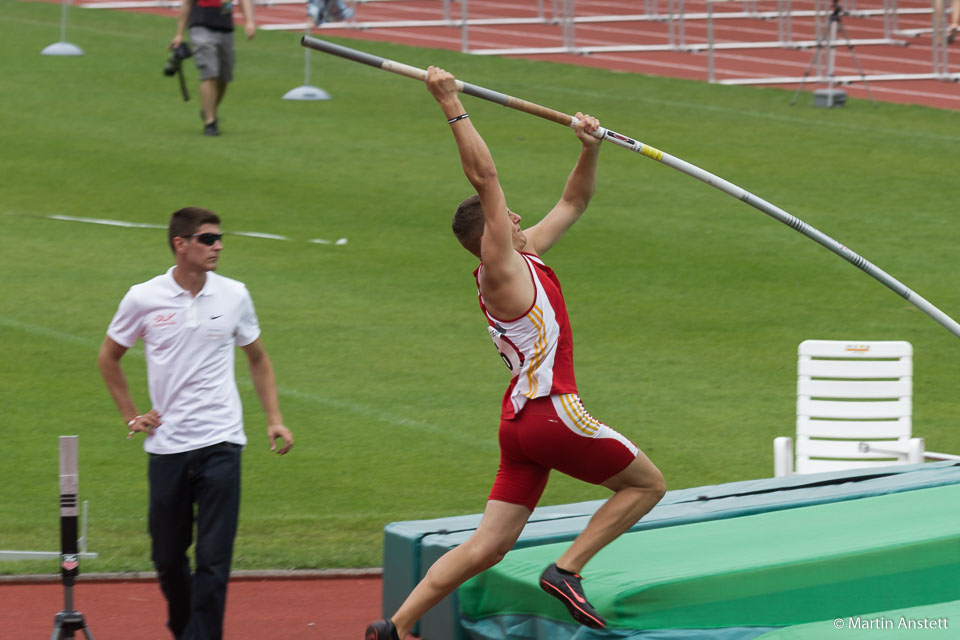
x,y
68,622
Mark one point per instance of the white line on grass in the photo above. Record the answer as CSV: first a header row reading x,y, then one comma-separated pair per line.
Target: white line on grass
x,y
45,332
363,410
147,225
256,234
112,223
389,418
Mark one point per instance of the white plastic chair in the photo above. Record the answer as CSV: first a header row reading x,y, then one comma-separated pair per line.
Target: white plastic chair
x,y
854,409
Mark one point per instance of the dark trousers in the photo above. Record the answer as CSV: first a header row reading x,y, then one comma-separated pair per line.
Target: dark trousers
x,y
208,478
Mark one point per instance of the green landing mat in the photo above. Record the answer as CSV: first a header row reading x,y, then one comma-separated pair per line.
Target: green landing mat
x,y
768,570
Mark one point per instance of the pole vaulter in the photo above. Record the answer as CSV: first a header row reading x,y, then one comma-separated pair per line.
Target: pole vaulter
x,y
654,154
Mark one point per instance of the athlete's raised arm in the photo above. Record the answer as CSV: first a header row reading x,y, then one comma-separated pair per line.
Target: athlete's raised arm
x,y
576,194
505,279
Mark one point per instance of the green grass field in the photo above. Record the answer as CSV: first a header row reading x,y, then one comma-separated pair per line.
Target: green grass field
x,y
687,305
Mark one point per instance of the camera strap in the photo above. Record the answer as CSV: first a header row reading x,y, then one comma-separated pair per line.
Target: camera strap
x,y
183,84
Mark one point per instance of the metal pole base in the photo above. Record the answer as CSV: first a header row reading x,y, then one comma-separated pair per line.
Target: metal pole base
x,y
306,92
829,98
67,623
62,49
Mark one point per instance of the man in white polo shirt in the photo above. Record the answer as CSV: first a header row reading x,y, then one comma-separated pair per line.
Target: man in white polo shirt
x,y
190,319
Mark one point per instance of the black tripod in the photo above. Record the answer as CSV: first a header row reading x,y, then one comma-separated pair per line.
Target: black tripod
x,y
68,622
831,97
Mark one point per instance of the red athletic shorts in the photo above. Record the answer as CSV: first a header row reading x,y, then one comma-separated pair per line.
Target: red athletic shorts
x,y
556,432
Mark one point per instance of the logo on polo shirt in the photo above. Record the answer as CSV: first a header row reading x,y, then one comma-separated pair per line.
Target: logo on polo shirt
x,y
161,320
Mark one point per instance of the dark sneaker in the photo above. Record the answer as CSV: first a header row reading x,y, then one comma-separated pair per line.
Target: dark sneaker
x,y
565,587
381,630
210,129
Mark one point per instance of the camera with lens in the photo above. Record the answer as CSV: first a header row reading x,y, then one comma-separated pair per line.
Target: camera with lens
x,y
180,53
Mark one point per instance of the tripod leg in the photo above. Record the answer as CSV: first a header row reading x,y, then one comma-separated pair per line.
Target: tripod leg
x,y
814,61
59,628
822,40
856,61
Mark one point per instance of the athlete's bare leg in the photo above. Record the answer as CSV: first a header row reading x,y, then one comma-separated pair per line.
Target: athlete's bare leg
x,y
499,529
637,489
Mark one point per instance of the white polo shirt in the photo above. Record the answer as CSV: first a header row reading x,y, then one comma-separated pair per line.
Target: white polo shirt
x,y
189,344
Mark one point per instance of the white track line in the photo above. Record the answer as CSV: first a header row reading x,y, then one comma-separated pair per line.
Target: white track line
x,y
256,234
365,411
146,225
112,223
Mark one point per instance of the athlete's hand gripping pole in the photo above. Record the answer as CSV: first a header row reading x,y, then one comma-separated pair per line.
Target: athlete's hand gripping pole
x,y
655,154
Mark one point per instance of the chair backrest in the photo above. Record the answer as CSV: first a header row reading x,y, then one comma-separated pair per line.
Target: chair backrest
x,y
847,393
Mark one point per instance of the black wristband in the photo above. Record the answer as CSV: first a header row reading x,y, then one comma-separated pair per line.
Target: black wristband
x,y
462,116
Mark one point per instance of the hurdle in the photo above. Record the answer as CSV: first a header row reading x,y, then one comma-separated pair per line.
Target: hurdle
x,y
567,16
939,67
445,19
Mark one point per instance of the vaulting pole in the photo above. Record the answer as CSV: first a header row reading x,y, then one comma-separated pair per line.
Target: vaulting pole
x,y
654,154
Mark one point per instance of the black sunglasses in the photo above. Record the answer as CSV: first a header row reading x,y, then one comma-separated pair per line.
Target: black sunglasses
x,y
208,239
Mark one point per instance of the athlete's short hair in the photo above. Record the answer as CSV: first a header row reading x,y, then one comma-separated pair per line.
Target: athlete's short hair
x,y
186,221
468,224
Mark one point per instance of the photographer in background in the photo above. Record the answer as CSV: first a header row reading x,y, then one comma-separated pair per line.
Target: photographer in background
x,y
320,11
211,32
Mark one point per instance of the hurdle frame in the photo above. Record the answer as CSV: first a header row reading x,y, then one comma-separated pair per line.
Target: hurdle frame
x,y
939,70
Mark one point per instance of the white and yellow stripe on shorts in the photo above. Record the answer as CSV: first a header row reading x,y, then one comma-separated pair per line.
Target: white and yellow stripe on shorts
x,y
539,350
571,412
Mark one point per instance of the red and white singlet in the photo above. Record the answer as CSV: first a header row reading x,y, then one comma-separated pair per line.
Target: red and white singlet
x,y
537,347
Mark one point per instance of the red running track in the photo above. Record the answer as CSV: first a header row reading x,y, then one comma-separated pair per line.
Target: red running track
x,y
620,23
257,608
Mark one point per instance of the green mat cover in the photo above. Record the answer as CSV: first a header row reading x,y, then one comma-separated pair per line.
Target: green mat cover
x,y
411,547
768,570
515,627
